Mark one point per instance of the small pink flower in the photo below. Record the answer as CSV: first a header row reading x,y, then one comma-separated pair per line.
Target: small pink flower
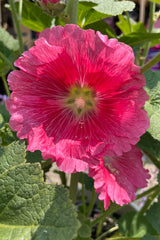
x,y
51,1
117,178
52,7
77,96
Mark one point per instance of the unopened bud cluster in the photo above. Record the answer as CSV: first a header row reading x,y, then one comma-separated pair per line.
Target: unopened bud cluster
x,y
52,7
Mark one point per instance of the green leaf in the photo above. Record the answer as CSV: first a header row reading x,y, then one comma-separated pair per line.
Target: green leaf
x,y
139,27
11,156
103,27
88,15
33,17
58,21
81,238
36,157
149,237
8,50
83,10
153,216
124,238
33,157
124,26
133,224
84,231
153,105
7,42
94,16
4,115
112,7
156,1
6,135
135,39
88,181
149,144
89,18
30,209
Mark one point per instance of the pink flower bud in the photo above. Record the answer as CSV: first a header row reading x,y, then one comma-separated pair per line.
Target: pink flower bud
x,y
52,7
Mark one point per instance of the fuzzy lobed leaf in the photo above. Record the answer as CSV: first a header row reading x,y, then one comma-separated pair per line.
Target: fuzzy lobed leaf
x,y
30,208
112,7
153,105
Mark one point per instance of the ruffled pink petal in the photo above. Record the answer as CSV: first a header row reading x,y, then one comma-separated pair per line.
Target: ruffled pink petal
x,y
117,178
73,154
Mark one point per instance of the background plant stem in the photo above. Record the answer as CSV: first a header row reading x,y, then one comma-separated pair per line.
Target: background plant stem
x,y
63,178
151,63
73,186
17,24
5,85
72,10
151,22
20,9
108,232
83,194
113,208
147,192
149,201
90,207
153,159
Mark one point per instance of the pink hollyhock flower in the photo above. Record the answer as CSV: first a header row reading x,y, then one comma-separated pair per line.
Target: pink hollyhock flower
x,y
117,178
52,1
52,7
77,96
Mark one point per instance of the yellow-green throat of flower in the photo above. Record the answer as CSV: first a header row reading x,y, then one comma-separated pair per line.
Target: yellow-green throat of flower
x,y
80,100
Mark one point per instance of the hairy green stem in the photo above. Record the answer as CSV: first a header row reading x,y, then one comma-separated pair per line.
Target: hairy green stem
x,y
5,85
151,63
99,228
147,192
63,178
110,210
149,201
90,207
151,22
73,186
17,24
83,195
108,232
20,9
153,159
72,10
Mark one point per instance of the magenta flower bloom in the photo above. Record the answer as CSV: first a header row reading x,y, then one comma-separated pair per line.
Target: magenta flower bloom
x,y
51,1
117,178
52,7
77,96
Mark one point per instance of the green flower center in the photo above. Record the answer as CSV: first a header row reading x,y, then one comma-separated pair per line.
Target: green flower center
x,y
80,100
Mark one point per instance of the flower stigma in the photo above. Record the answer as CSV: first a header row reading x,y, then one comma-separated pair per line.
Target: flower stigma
x,y
80,100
